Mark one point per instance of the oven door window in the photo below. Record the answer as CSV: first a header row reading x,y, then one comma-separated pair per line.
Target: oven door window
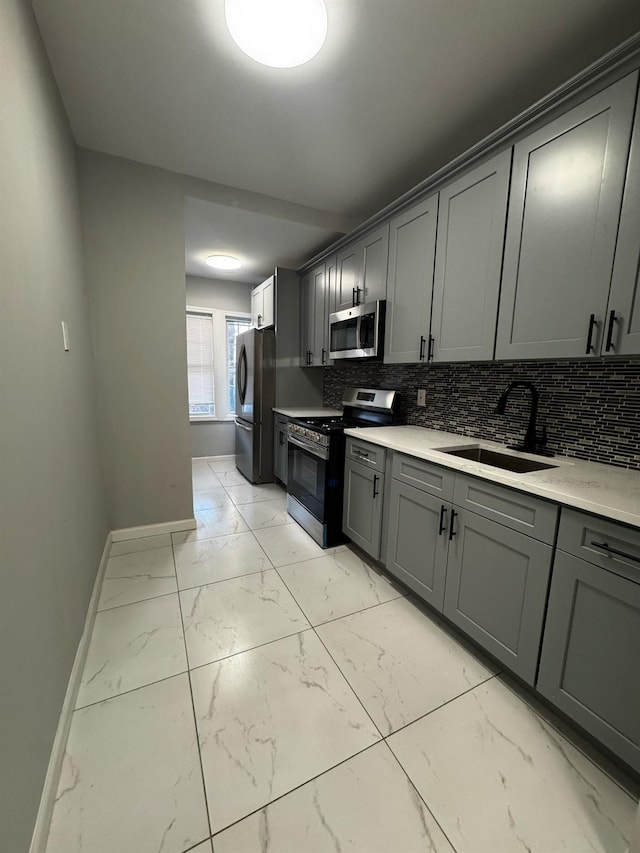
x,y
344,335
306,480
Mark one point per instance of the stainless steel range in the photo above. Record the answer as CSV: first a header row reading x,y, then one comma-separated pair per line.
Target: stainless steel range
x,y
316,460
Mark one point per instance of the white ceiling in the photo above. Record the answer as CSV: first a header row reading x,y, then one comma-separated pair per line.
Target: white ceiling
x,y
400,88
261,242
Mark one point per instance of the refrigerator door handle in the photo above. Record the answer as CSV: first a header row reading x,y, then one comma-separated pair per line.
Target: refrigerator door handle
x,y
242,374
243,426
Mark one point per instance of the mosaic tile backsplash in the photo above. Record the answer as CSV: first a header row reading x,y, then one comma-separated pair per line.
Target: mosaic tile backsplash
x,y
591,409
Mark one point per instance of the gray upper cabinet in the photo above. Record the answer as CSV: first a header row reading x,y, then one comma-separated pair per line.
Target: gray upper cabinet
x,y
412,243
471,230
496,589
622,329
361,270
589,664
566,193
315,318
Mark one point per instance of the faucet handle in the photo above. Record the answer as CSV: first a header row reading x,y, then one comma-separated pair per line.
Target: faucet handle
x,y
541,446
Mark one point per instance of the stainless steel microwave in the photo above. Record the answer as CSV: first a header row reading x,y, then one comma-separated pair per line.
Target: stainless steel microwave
x,y
358,332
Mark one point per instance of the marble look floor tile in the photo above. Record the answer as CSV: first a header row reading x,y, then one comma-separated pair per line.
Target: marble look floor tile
x,y
266,513
270,719
212,522
224,618
205,847
330,587
232,478
497,777
135,577
365,805
400,663
211,499
248,493
211,560
223,463
132,646
131,777
144,543
287,544
202,477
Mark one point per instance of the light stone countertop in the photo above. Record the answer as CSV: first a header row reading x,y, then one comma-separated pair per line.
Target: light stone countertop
x,y
604,490
308,412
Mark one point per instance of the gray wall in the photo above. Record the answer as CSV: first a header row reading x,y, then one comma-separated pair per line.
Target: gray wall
x,y
134,248
215,438
53,521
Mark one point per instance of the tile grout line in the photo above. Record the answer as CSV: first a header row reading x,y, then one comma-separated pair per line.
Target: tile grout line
x,y
193,706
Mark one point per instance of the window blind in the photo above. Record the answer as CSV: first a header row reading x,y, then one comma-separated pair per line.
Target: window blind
x,y
200,364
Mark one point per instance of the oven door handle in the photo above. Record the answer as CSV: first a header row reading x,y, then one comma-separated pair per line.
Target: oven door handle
x,y
321,454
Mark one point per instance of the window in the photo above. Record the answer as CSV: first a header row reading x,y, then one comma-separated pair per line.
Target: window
x,y
211,361
200,365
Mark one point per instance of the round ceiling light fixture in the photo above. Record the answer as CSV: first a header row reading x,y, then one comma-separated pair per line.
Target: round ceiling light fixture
x,y
223,262
280,33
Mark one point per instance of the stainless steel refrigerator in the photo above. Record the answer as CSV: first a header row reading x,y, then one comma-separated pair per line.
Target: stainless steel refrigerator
x,y
255,399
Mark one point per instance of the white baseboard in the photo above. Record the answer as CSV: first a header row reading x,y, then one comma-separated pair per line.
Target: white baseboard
x,y
50,787
153,529
211,458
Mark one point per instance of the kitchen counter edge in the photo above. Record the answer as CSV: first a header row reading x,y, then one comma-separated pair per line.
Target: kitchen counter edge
x,y
604,490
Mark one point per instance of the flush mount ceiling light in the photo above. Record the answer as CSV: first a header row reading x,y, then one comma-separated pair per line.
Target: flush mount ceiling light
x,y
280,33
223,262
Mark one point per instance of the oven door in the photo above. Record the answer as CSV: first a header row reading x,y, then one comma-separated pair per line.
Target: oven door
x,y
307,476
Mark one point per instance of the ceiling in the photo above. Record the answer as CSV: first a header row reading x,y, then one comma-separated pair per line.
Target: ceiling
x,y
261,242
400,88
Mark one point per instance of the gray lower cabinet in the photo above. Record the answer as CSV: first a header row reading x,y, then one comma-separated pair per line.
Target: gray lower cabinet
x,y
362,508
280,458
496,588
589,666
417,544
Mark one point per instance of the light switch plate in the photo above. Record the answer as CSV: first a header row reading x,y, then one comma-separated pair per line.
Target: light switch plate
x,y
422,397
65,335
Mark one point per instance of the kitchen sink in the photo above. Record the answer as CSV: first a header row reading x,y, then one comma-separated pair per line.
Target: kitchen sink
x,y
498,460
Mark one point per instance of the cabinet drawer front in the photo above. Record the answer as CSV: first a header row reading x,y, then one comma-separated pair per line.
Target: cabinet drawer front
x,y
368,454
516,510
589,665
496,589
424,476
417,546
578,532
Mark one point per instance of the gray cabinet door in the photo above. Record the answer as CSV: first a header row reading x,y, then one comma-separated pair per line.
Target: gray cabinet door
x,y
374,254
257,306
622,329
320,317
348,264
362,508
471,227
330,289
268,303
496,589
589,665
417,541
412,243
307,308
564,208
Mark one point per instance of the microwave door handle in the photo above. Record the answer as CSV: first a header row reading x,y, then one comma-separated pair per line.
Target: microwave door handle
x,y
359,332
